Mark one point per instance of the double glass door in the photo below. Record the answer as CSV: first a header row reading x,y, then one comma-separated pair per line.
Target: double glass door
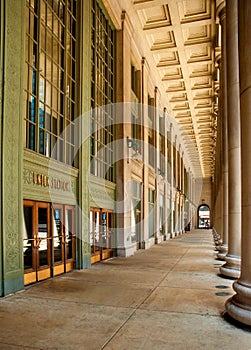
x,y
101,237
48,240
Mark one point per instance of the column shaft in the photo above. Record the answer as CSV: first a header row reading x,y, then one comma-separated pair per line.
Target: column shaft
x,y
239,306
224,246
232,266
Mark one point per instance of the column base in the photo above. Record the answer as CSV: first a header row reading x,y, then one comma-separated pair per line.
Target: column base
x,y
12,285
221,256
218,245
126,251
223,252
218,242
159,239
232,267
147,243
239,305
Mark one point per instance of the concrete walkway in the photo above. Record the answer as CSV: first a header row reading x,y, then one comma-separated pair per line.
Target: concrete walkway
x,y
167,297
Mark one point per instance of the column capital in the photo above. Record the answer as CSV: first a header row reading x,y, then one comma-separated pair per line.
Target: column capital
x,y
126,23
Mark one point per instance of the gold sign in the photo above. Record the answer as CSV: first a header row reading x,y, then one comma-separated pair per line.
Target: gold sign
x,y
49,181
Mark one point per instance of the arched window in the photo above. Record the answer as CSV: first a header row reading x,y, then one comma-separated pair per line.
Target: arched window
x,y
203,216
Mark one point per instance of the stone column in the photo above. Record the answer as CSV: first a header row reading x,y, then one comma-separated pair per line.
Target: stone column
x,y
239,306
191,198
192,201
221,11
172,232
194,213
218,208
232,266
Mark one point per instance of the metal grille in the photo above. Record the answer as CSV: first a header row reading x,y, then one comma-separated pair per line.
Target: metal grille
x,y
102,94
50,84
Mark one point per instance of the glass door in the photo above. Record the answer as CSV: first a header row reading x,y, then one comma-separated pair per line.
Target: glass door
x,y
43,241
48,240
101,238
138,231
36,241
58,251
95,235
106,230
69,237
63,256
29,251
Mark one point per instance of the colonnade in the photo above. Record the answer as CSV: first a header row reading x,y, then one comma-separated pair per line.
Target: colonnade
x,y
232,187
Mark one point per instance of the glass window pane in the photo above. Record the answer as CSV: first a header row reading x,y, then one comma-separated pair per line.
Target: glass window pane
x,y
101,92
46,73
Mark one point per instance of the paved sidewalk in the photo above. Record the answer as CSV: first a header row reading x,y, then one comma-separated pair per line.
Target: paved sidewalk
x,y
167,297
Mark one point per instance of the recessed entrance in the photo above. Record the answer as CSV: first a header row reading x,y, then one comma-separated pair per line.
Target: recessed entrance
x,y
204,216
48,240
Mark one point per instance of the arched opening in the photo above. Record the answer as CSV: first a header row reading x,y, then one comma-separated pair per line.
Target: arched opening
x,y
203,216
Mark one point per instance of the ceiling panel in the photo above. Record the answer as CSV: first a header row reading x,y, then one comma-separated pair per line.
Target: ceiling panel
x,y
180,36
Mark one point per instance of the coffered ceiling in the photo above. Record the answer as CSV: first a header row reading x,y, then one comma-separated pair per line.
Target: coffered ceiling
x,y
180,37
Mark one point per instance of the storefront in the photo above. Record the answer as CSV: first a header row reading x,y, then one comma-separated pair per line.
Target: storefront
x,y
50,223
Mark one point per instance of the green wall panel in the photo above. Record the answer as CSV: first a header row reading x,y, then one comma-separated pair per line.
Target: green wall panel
x,y
12,145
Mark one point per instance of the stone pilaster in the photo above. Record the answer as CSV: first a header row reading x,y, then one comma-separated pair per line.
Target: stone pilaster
x,y
176,227
239,306
157,234
181,190
145,242
124,244
172,232
83,250
167,182
12,114
183,197
232,266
